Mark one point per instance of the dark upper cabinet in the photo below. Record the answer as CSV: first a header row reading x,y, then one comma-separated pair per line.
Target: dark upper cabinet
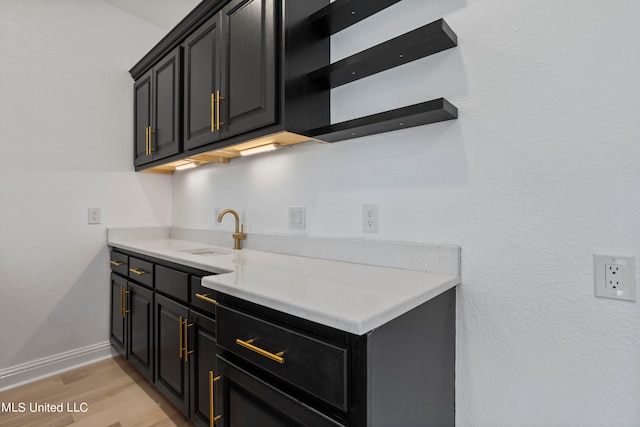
x,y
245,77
201,80
142,119
157,111
258,72
229,69
248,77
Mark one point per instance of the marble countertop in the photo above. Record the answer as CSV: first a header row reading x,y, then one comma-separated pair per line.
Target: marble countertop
x,y
355,298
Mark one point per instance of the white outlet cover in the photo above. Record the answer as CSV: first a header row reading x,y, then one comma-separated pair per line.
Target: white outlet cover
x,y
94,216
627,290
370,218
296,218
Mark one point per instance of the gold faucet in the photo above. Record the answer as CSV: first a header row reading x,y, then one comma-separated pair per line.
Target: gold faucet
x,y
239,234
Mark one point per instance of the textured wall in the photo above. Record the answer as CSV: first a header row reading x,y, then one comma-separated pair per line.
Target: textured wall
x,y
539,173
65,145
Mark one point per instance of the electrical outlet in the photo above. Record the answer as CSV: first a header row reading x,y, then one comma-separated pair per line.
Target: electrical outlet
x,y
614,277
296,217
94,216
370,218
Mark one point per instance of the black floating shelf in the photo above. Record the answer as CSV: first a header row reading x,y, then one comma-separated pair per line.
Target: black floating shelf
x,y
344,13
437,110
424,41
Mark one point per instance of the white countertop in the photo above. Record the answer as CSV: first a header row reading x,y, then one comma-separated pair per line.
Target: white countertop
x,y
355,298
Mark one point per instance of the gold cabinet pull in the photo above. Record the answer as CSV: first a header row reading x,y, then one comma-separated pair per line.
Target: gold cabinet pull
x,y
146,141
121,309
123,298
180,336
213,112
205,297
218,98
185,334
249,344
151,132
116,263
212,417
138,272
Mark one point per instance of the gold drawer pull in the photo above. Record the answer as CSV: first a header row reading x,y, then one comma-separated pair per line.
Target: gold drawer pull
x,y
212,417
249,344
205,297
117,263
138,272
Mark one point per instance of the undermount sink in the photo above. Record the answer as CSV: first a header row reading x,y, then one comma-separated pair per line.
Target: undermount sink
x,y
203,251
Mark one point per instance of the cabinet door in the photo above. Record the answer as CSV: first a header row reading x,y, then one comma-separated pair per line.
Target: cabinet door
x,y
202,361
248,401
165,123
201,81
248,79
140,329
172,373
118,319
141,119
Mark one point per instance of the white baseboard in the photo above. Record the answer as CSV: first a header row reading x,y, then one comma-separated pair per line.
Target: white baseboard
x,y
38,369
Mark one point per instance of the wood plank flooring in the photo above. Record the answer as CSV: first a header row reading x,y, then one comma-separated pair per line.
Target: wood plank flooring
x,y
114,393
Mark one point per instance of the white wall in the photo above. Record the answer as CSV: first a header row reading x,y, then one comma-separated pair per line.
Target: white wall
x,y
65,145
539,172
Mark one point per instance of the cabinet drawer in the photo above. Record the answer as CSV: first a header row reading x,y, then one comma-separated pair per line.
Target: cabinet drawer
x,y
172,282
250,401
141,271
315,366
119,263
201,297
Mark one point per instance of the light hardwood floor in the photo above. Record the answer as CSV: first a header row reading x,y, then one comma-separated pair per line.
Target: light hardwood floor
x,y
114,393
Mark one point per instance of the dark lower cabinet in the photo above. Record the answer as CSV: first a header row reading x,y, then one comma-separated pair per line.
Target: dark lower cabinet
x,y
202,365
164,325
248,401
132,323
281,370
118,319
185,356
172,370
223,359
139,314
